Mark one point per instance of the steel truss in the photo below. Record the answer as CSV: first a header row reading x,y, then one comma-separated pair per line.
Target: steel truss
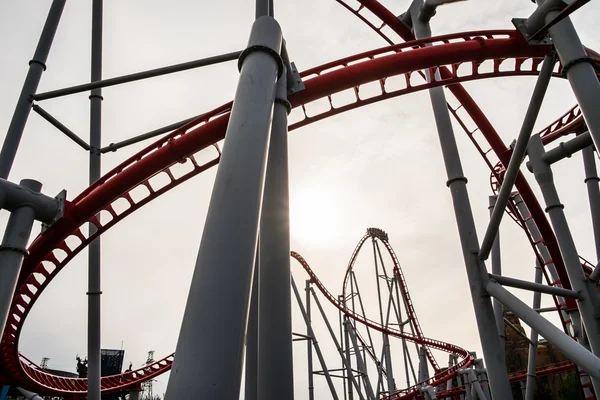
x,y
255,164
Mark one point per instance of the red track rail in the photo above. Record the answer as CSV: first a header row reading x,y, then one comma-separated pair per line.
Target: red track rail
x,y
49,253
437,379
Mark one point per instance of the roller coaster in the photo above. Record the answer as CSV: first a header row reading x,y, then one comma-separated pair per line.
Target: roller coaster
x,y
412,61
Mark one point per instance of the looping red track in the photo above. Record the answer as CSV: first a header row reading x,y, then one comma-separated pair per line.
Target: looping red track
x,y
438,378
412,315
135,182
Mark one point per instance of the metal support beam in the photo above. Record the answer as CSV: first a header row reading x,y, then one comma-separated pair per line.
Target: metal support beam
x,y
134,395
311,385
567,149
533,340
251,373
13,196
275,362
591,181
345,360
264,8
153,73
58,125
36,67
213,334
14,249
476,271
497,270
589,298
518,153
146,136
423,367
29,395
94,255
538,310
315,342
578,68
551,333
360,361
516,330
519,284
482,378
477,385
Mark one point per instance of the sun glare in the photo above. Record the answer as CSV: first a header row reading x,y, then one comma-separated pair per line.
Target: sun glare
x,y
315,215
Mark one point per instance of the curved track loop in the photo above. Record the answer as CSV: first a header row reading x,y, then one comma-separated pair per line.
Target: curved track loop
x,y
389,20
437,379
412,315
50,252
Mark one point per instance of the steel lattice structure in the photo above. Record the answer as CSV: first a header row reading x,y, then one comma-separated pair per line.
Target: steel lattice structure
x,y
252,186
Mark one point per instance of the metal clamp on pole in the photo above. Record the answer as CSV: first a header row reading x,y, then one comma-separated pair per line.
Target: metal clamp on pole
x,y
14,249
46,209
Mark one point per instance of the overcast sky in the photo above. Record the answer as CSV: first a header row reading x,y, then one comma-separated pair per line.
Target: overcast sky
x,y
377,166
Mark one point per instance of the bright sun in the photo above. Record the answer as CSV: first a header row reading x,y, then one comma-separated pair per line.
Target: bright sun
x,y
315,215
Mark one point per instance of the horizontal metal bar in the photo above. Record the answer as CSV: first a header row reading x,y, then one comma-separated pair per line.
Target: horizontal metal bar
x,y
566,149
570,348
538,310
536,287
58,125
301,335
146,136
138,76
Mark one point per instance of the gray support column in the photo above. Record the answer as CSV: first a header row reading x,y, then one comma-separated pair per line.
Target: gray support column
x,y
251,373
384,322
315,342
311,385
36,67
533,337
423,367
360,361
216,314
345,360
476,271
134,395
275,363
450,364
551,333
482,376
591,181
14,249
476,385
497,270
94,252
467,383
589,298
348,363
579,70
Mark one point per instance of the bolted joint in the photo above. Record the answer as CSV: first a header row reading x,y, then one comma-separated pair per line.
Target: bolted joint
x,y
426,13
265,37
537,20
27,194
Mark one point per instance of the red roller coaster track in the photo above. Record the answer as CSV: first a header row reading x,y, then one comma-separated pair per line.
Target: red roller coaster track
x,y
458,57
